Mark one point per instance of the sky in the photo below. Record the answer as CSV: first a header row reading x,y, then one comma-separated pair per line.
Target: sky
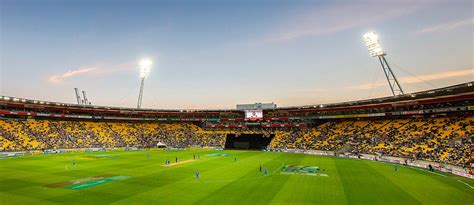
x,y
219,53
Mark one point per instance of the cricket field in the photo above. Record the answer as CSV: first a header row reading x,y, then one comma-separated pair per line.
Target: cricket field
x,y
225,177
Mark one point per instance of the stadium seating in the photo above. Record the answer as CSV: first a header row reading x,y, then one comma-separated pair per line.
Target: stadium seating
x,y
46,134
443,139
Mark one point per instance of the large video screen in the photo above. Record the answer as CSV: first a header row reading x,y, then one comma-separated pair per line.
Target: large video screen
x,y
253,115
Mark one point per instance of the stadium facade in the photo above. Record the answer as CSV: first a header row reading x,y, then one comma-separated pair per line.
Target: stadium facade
x,y
457,98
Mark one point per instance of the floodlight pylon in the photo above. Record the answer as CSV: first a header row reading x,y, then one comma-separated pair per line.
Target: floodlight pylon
x,y
145,65
375,50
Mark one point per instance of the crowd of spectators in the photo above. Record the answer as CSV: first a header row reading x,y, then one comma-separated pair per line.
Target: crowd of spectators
x,y
441,139
446,139
16,135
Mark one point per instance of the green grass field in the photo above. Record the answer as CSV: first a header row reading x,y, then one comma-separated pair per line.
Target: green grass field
x,y
133,178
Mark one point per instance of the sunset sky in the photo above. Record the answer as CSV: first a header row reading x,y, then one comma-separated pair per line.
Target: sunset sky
x,y
216,54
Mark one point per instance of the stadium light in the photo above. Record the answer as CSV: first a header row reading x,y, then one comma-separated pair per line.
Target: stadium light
x,y
145,66
372,42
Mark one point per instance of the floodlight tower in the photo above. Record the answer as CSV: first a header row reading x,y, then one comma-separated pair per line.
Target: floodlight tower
x,y
375,50
145,65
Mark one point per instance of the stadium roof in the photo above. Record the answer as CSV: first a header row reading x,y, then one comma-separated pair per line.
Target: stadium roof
x,y
465,90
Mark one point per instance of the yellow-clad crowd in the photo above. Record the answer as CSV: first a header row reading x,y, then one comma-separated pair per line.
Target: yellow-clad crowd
x,y
442,139
18,135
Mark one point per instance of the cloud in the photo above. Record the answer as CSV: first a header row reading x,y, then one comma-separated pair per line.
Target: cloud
x,y
97,70
343,16
308,90
418,79
70,74
447,26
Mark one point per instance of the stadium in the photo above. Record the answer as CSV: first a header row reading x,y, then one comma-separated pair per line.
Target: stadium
x,y
336,153
404,147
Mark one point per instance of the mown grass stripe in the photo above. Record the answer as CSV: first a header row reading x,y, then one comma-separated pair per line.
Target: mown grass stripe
x,y
364,185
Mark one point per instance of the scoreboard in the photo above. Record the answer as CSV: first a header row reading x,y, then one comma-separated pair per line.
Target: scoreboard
x,y
253,115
